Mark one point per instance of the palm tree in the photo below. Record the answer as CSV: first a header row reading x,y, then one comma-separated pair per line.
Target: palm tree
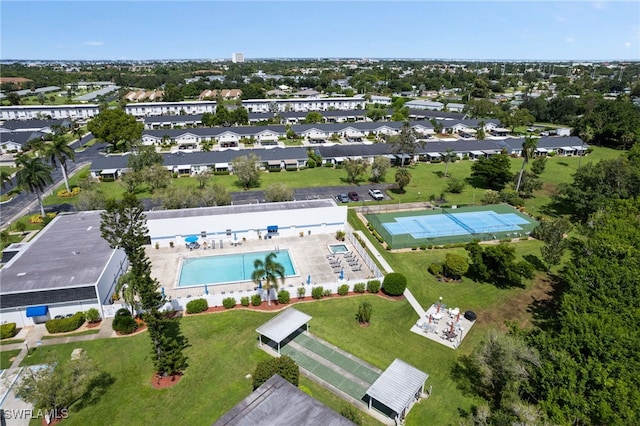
x,y
5,177
34,175
59,151
448,156
528,149
586,135
127,289
268,270
78,131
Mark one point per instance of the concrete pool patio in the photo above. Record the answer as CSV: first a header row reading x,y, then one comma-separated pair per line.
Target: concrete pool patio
x,y
308,253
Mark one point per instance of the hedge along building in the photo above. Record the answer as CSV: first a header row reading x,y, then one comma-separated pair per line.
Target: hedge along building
x,y
253,221
66,268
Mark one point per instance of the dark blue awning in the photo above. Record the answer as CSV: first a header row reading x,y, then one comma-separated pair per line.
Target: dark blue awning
x,y
37,311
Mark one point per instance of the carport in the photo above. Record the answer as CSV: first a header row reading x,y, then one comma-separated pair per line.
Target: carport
x,y
398,388
282,326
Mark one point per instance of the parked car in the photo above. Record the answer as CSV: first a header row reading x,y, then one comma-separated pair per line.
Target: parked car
x,y
376,194
343,198
353,196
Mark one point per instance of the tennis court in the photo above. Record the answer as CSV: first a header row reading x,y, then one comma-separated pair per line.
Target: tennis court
x,y
445,226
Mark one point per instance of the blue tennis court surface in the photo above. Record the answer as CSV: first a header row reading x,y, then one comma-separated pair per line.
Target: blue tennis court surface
x,y
478,222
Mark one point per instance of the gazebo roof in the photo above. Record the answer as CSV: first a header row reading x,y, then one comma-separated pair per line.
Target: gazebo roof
x,y
397,386
281,326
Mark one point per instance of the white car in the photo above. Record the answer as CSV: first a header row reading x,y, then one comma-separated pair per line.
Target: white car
x,y
376,194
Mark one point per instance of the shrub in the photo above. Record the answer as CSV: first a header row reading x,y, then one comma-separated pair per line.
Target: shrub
x,y
435,269
229,302
364,313
63,193
8,330
244,301
64,325
256,300
423,247
123,322
301,292
197,305
351,413
284,366
455,266
343,289
316,292
326,292
92,315
305,389
394,284
311,163
283,297
358,288
373,286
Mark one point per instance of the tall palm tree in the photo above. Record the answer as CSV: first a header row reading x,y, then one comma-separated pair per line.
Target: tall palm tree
x,y
528,149
268,270
586,135
448,156
33,175
59,151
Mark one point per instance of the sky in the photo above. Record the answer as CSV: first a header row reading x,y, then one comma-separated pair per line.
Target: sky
x,y
471,30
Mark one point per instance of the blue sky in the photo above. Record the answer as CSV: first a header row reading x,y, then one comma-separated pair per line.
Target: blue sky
x,y
514,30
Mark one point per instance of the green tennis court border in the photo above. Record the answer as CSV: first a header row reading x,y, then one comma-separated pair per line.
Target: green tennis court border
x,y
376,220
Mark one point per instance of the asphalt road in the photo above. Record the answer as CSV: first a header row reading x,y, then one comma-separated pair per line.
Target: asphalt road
x,y
26,202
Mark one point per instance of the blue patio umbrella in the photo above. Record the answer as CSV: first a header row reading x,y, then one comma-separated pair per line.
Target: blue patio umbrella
x,y
260,284
162,291
342,274
308,279
191,238
206,289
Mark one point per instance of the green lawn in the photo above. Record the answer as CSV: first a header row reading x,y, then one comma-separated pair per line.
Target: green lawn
x,y
6,358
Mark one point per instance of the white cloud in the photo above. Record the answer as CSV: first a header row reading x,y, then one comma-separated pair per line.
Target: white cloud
x,y
627,44
93,43
568,40
560,18
599,5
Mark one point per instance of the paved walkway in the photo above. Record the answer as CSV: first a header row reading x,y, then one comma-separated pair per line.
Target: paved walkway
x,y
33,339
387,268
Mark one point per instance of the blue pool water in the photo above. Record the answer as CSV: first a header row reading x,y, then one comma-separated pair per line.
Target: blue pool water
x,y
228,268
455,224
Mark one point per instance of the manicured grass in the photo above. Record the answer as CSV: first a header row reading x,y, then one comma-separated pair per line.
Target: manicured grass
x,y
6,358
61,336
223,350
8,169
11,341
73,181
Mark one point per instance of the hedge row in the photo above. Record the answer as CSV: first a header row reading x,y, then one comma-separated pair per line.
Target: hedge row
x,y
64,325
8,330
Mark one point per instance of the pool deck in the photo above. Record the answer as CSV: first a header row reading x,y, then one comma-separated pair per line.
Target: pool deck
x,y
309,255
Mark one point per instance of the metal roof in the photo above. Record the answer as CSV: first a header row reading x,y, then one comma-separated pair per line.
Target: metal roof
x,y
397,386
69,252
280,327
278,402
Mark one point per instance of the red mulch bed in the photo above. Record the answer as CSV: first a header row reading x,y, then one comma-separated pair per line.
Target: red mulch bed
x,y
96,324
165,382
275,306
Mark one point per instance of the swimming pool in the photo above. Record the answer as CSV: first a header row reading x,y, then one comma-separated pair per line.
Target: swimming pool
x,y
338,248
229,268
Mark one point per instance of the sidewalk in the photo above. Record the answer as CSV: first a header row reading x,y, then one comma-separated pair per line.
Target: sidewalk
x,y
387,268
